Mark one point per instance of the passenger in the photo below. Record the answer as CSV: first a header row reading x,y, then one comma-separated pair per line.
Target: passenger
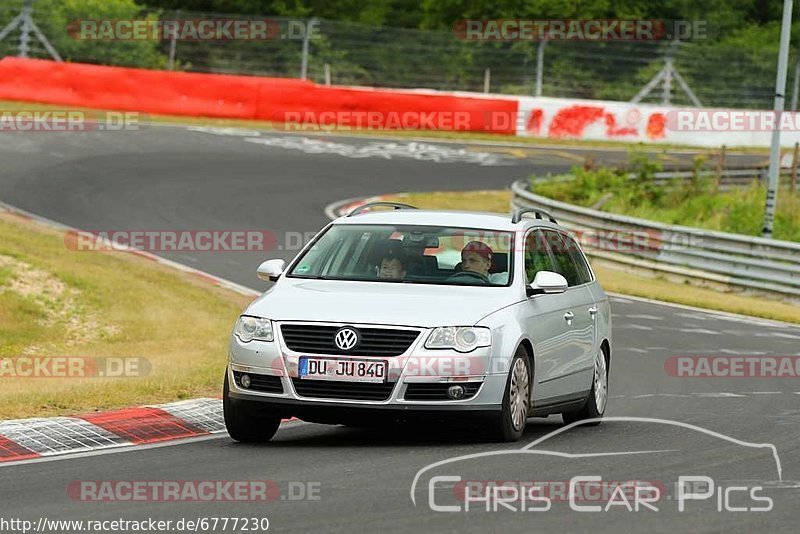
x,y
476,257
392,266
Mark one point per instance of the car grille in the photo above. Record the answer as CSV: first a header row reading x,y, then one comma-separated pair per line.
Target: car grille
x,y
437,392
264,383
328,389
318,339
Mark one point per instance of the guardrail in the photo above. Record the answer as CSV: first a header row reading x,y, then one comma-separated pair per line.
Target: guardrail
x,y
749,263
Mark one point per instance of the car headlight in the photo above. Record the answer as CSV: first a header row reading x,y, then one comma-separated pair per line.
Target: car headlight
x,y
249,328
460,338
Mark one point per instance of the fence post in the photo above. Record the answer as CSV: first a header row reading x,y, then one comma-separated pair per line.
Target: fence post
x,y
540,66
796,85
793,182
327,74
304,59
487,80
720,165
172,44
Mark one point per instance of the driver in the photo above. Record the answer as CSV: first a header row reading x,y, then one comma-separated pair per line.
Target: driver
x,y
476,257
392,266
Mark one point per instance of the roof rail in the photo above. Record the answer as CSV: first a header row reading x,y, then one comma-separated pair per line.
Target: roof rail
x,y
395,205
516,216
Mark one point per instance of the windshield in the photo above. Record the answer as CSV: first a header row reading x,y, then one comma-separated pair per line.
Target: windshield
x,y
409,254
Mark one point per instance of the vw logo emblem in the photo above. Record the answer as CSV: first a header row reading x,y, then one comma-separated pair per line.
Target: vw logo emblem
x,y
346,338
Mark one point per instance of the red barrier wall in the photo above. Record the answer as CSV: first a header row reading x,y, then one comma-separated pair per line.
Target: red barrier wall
x,y
247,97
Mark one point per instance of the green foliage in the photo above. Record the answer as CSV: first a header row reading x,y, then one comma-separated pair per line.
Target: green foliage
x,y
54,17
694,202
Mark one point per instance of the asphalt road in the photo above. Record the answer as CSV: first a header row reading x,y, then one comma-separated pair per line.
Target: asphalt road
x,y
165,178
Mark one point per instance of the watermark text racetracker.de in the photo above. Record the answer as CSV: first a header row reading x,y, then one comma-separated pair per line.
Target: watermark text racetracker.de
x,y
193,490
197,29
69,120
730,120
213,240
580,30
73,367
733,366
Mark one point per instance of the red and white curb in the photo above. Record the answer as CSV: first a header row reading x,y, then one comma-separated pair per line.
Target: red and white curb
x,y
25,439
341,208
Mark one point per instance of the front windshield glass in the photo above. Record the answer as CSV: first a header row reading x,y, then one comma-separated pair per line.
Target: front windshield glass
x,y
409,254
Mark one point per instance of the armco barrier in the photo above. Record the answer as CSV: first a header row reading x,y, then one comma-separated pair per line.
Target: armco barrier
x,y
298,101
743,262
245,97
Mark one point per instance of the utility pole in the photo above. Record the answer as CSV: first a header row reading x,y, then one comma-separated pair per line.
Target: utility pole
x,y
780,90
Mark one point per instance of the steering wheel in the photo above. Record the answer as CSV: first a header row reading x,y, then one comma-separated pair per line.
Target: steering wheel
x,y
469,276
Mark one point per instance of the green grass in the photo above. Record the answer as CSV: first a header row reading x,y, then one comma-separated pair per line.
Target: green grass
x,y
696,203
59,302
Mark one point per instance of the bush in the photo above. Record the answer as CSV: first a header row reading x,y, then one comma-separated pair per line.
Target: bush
x,y
695,202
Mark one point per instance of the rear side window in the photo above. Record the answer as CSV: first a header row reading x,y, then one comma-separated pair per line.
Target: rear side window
x,y
537,256
584,272
568,259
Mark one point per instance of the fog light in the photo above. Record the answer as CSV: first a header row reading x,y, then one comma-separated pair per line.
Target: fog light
x,y
245,381
455,392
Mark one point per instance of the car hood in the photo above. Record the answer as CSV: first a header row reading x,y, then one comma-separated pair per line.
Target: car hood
x,y
421,305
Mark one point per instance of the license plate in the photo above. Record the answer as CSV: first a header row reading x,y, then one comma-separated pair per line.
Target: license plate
x,y
342,369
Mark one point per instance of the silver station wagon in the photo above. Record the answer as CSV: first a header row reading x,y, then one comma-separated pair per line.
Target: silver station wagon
x,y
403,314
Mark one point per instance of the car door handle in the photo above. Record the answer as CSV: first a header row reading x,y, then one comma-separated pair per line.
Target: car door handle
x,y
593,311
569,316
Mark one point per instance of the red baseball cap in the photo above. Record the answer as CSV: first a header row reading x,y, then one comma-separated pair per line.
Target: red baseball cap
x,y
479,248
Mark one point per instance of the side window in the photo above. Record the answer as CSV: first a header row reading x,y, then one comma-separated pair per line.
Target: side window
x,y
565,266
537,257
584,273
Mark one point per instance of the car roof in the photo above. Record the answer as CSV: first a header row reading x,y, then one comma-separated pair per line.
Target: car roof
x,y
447,218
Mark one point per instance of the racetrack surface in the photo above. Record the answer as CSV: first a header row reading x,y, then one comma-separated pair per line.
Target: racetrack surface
x,y
170,178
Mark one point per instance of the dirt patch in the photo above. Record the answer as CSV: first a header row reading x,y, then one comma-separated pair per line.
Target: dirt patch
x,y
60,304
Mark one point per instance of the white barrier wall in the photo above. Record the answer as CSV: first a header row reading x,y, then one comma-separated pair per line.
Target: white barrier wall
x,y
561,118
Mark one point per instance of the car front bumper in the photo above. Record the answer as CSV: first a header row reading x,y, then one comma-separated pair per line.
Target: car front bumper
x,y
272,362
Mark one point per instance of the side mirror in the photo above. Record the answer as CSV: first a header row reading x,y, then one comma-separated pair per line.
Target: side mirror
x,y
270,270
547,283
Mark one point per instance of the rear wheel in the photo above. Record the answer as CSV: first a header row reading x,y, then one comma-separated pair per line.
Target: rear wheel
x,y
595,405
245,424
510,423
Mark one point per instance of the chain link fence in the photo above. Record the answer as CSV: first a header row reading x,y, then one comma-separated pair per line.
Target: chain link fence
x,y
344,53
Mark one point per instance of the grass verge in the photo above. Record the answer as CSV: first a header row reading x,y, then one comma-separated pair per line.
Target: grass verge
x,y
616,281
697,202
11,105
55,302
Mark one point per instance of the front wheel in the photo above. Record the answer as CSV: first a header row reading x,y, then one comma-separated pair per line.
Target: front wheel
x,y
245,424
595,405
510,423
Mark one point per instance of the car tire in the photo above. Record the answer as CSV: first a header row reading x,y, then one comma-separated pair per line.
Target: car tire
x,y
245,424
509,424
595,405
